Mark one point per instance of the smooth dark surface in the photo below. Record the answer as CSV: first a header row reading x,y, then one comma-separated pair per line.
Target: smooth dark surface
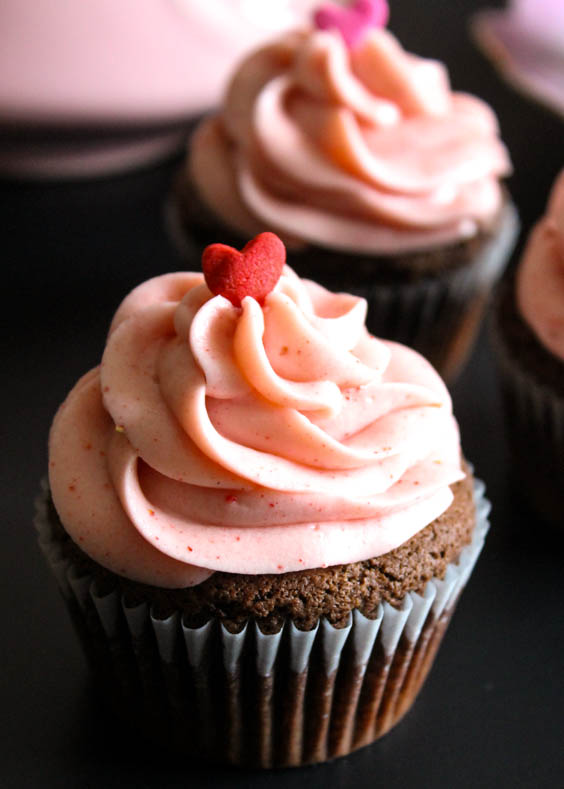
x,y
492,711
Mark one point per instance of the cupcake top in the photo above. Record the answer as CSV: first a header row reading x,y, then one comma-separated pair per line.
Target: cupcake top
x,y
132,61
542,19
257,430
540,277
337,137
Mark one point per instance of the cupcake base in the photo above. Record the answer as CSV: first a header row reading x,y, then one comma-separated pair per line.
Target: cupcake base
x,y
289,698
432,301
532,383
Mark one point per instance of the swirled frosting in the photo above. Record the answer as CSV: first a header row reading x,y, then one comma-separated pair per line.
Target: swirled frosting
x,y
252,439
365,150
540,277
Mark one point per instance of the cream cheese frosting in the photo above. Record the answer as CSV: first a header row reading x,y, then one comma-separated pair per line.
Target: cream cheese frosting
x,y
366,149
540,277
254,439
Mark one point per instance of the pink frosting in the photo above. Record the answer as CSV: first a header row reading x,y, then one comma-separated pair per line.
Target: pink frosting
x,y
540,278
249,440
127,61
365,150
543,19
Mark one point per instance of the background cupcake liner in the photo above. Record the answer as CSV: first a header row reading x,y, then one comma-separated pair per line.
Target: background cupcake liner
x,y
291,698
437,314
534,418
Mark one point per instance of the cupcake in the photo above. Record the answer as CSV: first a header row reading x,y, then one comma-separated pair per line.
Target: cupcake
x,y
380,180
525,42
113,86
529,339
258,514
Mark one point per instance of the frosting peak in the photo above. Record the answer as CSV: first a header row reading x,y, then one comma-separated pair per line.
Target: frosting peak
x,y
251,439
366,150
540,277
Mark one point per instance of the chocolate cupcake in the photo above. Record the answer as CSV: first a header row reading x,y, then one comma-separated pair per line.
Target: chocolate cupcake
x,y
258,514
380,179
529,339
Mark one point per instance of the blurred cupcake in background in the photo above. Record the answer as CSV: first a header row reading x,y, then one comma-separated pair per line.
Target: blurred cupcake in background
x,y
379,178
526,43
98,86
529,338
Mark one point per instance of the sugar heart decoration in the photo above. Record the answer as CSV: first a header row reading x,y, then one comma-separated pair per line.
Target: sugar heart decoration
x,y
355,22
254,271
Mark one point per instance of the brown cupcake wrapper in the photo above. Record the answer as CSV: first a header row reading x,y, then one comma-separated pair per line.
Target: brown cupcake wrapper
x,y
439,315
248,698
534,418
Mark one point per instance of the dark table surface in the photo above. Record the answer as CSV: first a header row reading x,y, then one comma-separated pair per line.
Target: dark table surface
x,y
492,711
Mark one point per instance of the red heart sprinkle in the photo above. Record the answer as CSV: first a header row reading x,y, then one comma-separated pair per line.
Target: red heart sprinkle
x,y
253,271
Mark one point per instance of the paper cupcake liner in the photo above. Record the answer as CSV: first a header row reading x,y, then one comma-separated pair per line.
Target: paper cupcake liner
x,y
248,698
437,315
534,418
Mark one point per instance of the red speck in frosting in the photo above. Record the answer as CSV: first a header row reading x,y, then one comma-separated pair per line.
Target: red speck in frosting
x,y
88,446
72,487
253,271
151,512
271,504
188,548
280,566
230,498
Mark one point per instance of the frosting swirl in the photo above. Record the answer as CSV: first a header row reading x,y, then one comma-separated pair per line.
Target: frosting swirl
x,y
540,277
366,150
249,439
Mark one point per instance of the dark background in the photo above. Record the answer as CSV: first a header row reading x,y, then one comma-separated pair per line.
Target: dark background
x,y
492,711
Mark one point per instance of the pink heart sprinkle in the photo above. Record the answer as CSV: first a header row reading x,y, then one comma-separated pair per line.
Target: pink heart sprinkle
x,y
352,23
